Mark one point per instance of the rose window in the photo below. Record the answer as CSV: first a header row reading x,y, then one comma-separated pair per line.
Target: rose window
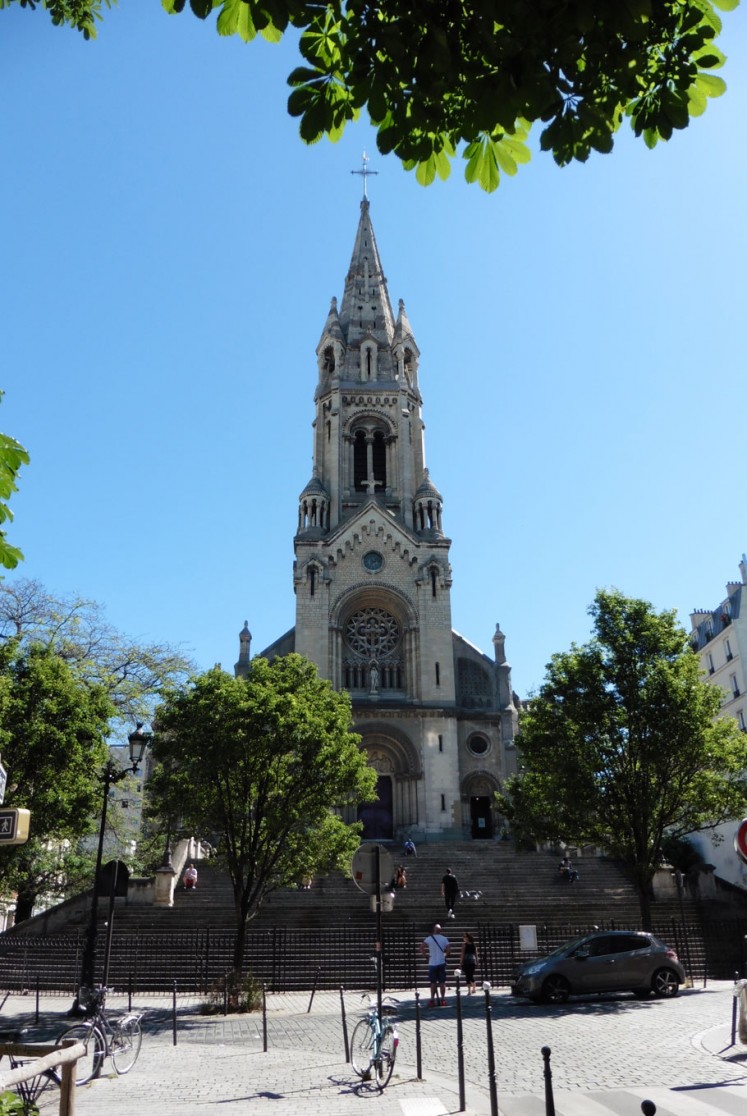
x,y
372,632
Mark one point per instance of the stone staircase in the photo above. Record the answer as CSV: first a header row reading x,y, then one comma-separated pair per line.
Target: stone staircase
x,y
326,933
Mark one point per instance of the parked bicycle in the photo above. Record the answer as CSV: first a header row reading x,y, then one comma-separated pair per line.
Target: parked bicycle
x,y
374,1043
105,1035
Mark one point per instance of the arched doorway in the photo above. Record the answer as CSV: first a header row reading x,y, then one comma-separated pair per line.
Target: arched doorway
x,y
378,817
481,817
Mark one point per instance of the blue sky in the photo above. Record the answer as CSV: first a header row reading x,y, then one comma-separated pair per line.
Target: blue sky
x,y
169,251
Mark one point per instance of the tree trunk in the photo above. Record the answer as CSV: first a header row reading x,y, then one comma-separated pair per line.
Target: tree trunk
x,y
24,906
643,887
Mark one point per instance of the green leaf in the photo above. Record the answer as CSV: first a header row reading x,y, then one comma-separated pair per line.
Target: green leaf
x,y
710,84
236,18
726,5
201,8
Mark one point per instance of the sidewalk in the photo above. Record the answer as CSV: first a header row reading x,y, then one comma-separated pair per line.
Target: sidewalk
x,y
607,1056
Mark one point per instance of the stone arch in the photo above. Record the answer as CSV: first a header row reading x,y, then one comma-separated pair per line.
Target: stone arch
x,y
396,760
374,634
478,804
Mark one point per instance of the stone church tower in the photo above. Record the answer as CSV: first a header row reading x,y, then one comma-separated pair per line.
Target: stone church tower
x,y
372,579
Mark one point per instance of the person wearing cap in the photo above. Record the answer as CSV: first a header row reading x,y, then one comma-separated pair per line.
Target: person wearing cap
x,y
436,946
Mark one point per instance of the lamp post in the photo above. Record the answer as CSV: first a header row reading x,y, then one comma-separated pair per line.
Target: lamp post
x,y
138,742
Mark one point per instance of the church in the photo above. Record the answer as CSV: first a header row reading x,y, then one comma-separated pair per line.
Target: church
x,y
372,579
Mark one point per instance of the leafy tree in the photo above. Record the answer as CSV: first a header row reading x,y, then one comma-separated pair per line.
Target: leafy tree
x,y
132,673
53,729
12,457
473,76
623,745
261,764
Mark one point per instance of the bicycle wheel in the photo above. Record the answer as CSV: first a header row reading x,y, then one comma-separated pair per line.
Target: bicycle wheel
x,y
125,1043
361,1049
89,1065
40,1094
384,1064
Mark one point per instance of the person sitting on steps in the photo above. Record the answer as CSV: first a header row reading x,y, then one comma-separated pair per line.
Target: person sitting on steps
x,y
567,871
190,878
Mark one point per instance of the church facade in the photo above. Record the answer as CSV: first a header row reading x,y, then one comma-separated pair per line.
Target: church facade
x,y
372,580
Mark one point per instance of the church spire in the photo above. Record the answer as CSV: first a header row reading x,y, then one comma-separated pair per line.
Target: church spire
x,y
366,311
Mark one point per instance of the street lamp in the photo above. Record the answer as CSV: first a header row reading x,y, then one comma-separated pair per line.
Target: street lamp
x,y
111,774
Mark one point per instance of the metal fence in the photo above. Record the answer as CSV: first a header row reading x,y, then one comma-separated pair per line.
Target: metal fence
x,y
289,958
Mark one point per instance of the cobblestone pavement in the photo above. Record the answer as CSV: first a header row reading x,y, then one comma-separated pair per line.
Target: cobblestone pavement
x,y
608,1054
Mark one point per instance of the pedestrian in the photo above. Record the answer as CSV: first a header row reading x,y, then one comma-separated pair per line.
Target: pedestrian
x,y
469,960
436,946
450,891
410,849
190,878
400,877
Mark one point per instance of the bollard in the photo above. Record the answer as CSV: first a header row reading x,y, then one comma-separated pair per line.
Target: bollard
x,y
491,1052
734,1012
36,1018
173,1014
225,992
549,1099
313,988
344,1025
129,991
648,1108
264,1018
460,1042
418,1040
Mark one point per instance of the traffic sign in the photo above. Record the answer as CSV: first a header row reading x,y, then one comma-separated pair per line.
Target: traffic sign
x,y
14,826
740,840
364,868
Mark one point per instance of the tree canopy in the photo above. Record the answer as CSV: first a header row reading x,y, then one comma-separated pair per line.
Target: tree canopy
x,y
53,729
262,766
471,77
132,672
623,745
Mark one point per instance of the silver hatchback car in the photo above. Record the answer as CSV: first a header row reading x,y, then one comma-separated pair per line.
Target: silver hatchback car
x,y
605,961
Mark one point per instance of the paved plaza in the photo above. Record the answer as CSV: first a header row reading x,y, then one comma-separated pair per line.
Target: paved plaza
x,y
608,1054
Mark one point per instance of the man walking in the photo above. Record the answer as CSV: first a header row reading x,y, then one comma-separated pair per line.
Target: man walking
x,y
436,946
450,891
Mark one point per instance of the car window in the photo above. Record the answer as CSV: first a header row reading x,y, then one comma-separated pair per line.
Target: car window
x,y
598,947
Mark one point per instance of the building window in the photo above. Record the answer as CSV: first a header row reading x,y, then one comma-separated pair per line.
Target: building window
x,y
440,742
438,674
443,803
478,745
741,721
728,650
711,667
735,691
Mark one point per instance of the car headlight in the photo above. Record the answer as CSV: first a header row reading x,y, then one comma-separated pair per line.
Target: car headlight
x,y
532,970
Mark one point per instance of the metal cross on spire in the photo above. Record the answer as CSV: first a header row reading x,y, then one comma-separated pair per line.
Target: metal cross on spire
x,y
364,173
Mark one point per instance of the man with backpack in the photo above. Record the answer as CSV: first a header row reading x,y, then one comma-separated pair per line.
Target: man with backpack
x,y
436,946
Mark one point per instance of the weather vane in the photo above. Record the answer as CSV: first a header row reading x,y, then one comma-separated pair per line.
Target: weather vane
x,y
364,173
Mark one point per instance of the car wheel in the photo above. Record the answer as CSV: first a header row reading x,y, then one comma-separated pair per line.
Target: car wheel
x,y
665,983
641,993
555,990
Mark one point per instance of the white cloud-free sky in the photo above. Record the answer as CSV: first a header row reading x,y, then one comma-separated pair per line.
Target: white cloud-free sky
x,y
169,251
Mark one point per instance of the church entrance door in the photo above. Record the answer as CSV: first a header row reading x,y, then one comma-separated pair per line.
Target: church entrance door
x,y
378,817
482,818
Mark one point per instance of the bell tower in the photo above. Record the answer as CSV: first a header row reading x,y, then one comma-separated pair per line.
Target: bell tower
x,y
372,579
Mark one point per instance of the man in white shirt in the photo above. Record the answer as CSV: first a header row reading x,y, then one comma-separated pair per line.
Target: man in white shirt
x,y
436,946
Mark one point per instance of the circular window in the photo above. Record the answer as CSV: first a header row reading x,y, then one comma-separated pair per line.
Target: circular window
x,y
478,745
372,632
373,561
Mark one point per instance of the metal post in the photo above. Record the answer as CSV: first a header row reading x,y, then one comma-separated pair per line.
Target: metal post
x,y
491,1053
225,991
264,1018
549,1099
345,1038
313,988
648,1108
36,1017
418,1040
129,991
734,1012
110,925
460,1042
378,934
173,1013
89,952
